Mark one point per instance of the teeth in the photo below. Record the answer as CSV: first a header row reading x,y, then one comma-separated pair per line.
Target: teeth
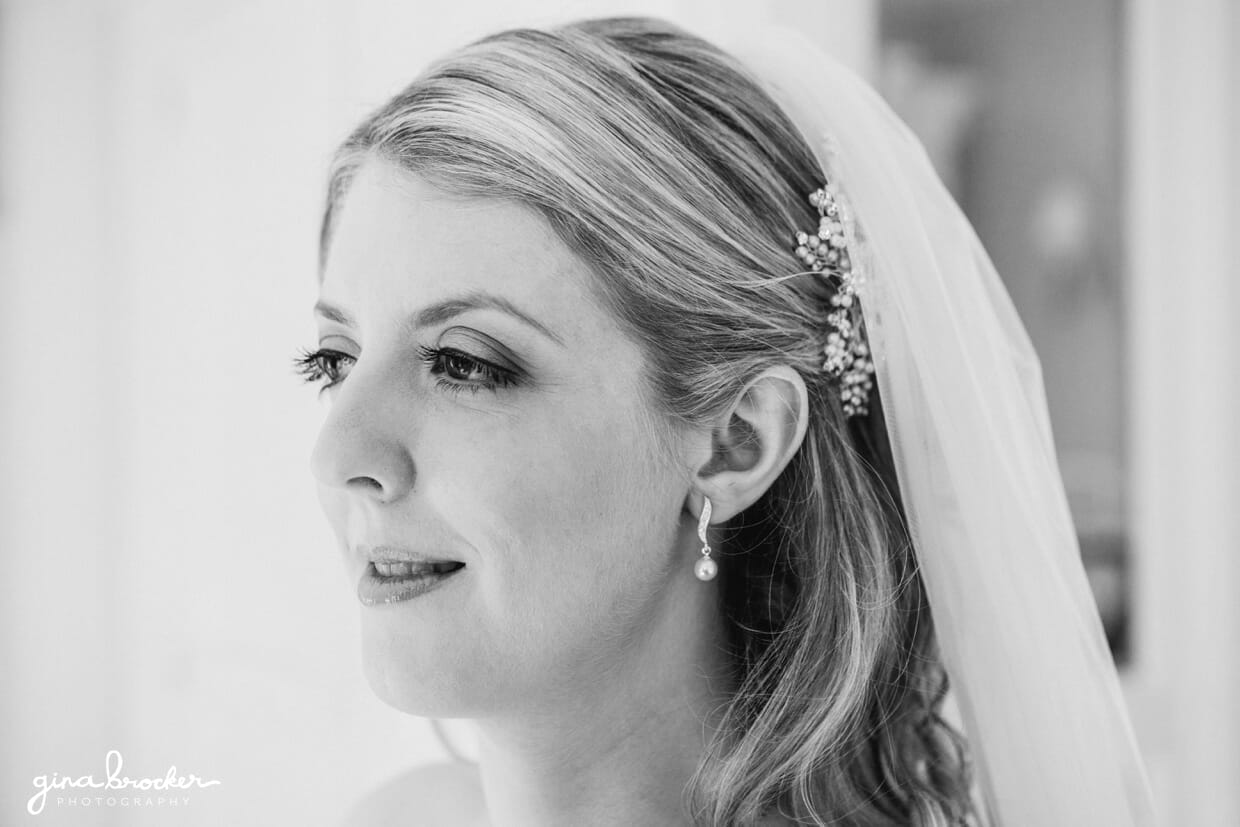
x,y
407,569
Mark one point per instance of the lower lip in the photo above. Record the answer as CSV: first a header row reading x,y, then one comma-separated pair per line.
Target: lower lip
x,y
375,589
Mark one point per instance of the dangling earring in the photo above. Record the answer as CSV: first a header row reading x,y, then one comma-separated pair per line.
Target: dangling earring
x,y
705,569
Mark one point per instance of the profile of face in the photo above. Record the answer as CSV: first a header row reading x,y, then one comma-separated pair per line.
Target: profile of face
x,y
487,409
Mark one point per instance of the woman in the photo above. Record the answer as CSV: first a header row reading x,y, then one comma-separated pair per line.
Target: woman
x,y
621,479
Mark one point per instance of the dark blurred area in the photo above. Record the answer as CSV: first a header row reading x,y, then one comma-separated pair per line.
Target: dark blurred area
x,y
1021,108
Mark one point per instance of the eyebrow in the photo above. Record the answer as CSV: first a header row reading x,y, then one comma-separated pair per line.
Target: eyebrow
x,y
448,308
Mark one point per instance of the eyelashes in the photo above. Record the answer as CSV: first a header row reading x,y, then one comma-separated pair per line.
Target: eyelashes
x,y
316,365
449,364
454,369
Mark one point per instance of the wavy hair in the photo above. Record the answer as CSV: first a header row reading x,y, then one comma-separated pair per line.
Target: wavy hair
x,y
658,159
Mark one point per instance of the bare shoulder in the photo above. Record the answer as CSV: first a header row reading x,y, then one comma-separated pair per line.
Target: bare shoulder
x,y
431,795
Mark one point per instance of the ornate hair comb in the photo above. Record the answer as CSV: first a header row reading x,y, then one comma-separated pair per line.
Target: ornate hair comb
x,y
833,251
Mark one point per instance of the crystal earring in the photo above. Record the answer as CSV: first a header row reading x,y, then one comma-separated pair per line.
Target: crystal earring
x,y
705,569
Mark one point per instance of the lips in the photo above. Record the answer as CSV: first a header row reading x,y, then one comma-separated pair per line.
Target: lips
x,y
377,588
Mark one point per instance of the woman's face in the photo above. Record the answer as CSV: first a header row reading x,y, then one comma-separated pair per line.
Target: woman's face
x,y
518,447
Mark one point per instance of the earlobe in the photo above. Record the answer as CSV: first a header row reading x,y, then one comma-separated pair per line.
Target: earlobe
x,y
763,430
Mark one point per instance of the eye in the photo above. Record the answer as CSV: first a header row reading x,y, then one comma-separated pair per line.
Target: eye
x,y
459,371
316,365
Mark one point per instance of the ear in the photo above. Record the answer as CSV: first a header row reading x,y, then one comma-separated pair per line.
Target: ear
x,y
754,441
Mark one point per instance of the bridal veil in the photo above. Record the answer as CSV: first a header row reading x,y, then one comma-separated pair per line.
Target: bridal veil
x,y
965,410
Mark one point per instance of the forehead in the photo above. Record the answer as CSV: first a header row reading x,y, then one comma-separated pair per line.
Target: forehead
x,y
400,243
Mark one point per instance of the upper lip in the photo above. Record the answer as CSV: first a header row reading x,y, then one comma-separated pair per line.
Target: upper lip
x,y
398,554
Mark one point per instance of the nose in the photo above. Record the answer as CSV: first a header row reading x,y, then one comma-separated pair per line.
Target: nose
x,y
364,443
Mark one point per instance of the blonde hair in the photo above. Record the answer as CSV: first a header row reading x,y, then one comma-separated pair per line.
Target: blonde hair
x,y
659,161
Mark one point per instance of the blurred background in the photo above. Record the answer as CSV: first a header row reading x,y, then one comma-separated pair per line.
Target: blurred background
x,y
170,588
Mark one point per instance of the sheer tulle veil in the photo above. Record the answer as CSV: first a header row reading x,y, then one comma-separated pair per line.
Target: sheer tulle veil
x,y
965,409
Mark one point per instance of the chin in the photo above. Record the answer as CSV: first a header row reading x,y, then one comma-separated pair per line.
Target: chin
x,y
414,675
402,687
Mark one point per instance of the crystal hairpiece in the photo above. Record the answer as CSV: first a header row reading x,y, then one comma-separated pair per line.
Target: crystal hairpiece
x,y
833,251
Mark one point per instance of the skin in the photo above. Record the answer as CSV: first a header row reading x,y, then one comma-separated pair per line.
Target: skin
x,y
577,636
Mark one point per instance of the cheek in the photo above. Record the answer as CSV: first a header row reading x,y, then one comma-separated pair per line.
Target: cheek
x,y
559,490
570,513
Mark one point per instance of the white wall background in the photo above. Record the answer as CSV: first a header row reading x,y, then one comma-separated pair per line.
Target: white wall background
x,y
1183,156
170,589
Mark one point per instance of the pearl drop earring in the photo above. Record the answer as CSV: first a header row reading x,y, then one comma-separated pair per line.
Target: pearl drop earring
x,y
705,569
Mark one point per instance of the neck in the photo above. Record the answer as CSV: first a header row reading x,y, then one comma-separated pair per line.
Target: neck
x,y
620,748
